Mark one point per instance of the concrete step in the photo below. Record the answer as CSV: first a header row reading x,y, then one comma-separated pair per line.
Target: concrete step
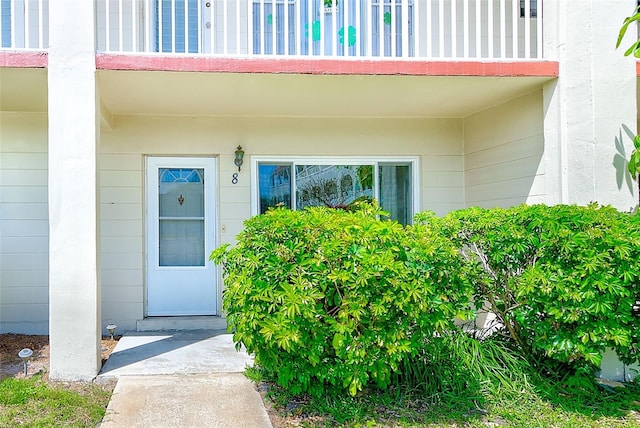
x,y
181,323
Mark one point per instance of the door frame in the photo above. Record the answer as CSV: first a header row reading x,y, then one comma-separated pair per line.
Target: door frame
x,y
153,162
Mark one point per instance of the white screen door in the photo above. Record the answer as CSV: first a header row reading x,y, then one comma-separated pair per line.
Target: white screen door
x,y
180,235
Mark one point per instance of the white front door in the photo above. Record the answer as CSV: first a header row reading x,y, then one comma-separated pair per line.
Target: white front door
x,y
180,235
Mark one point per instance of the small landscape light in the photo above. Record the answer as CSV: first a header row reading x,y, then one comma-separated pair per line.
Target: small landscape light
x,y
111,328
25,354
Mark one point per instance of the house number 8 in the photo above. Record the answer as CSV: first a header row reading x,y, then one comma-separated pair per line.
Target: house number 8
x,y
234,178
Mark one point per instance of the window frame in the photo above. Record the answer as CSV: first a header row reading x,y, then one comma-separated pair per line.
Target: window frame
x,y
334,160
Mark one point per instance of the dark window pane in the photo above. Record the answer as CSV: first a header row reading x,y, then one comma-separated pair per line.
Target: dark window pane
x,y
395,191
274,185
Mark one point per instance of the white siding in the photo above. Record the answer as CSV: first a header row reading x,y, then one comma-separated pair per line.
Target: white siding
x,y
503,154
437,144
24,226
122,249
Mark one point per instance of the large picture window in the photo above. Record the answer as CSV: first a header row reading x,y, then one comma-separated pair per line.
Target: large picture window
x,y
336,183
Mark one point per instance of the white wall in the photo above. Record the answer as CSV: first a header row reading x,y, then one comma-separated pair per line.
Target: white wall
x,y
24,227
503,149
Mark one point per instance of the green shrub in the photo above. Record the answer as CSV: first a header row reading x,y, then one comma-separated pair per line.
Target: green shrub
x,y
335,299
562,280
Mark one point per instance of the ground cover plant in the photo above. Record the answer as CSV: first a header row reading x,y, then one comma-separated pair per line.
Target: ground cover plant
x,y
351,317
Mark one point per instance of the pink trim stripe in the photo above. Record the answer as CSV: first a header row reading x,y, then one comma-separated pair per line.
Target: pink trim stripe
x,y
23,59
326,66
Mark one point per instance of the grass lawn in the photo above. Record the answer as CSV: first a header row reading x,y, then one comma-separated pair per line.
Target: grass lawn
x,y
32,402
394,408
463,383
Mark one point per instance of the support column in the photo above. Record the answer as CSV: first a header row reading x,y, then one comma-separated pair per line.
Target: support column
x,y
74,272
590,110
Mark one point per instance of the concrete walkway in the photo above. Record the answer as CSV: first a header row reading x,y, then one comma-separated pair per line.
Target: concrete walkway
x,y
181,379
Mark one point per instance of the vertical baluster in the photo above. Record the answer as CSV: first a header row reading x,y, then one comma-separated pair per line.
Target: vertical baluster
x,y
539,52
503,29
286,27
120,26
490,30
359,28
27,28
515,13
213,26
134,27
147,26
429,29
441,29
225,26
263,42
369,17
250,27
237,52
527,29
309,26
274,27
334,29
478,9
173,26
160,25
107,25
172,17
186,26
394,29
1,33
405,28
199,42
345,25
40,25
381,27
465,30
322,26
454,28
416,28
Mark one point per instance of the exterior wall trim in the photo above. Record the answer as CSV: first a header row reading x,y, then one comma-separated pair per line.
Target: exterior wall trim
x,y
12,59
326,66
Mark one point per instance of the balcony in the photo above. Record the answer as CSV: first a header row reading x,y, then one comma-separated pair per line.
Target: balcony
x,y
422,30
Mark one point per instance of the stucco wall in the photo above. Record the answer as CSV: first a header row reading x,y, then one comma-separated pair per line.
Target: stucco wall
x,y
24,227
503,149
436,142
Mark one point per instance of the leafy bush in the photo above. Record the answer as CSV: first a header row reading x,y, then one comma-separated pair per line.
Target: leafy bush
x,y
562,280
335,299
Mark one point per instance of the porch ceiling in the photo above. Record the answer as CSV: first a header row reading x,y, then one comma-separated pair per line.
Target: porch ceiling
x,y
304,95
23,89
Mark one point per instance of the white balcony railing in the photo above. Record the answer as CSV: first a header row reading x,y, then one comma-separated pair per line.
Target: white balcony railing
x,y
24,24
377,29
